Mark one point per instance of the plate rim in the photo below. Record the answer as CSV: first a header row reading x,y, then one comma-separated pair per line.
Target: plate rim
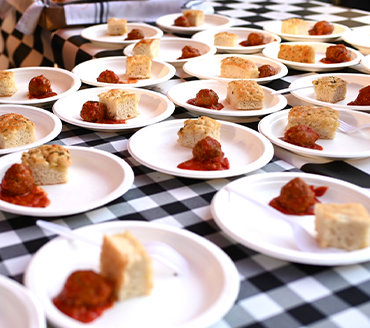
x,y
221,307
328,259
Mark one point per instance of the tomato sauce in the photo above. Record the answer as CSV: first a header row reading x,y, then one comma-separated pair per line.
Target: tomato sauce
x,y
85,296
217,106
37,197
363,98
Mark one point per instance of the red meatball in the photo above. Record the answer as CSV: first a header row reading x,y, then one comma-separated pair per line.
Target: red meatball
x,y
206,98
301,135
266,70
255,39
108,77
296,196
181,21
322,28
337,54
93,111
207,148
135,34
363,98
39,86
18,180
189,52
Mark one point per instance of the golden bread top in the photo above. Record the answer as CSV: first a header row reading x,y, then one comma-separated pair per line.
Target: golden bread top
x,y
243,89
355,212
313,112
238,61
113,94
330,81
55,156
11,123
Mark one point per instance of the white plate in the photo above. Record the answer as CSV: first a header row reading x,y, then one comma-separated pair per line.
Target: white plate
x,y
365,63
343,146
197,300
153,107
359,38
182,92
210,21
339,30
272,50
243,33
96,177
355,83
48,126
98,34
156,147
271,236
210,68
62,82
171,48
19,307
89,71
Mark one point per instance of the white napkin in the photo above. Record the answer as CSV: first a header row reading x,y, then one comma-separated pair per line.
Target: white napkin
x,y
28,21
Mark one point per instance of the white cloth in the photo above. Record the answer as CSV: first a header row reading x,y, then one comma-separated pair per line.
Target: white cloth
x,y
28,21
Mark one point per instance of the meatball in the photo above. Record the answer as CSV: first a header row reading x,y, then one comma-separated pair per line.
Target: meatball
x,y
181,21
337,54
255,39
108,77
39,86
135,34
322,28
206,149
18,180
301,135
363,98
266,70
206,98
93,111
296,196
189,52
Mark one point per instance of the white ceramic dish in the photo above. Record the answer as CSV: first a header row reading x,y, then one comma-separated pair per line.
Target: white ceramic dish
x,y
153,107
156,147
195,300
272,236
355,83
182,92
243,33
343,146
339,30
47,125
19,307
359,38
98,34
272,50
171,49
96,177
62,82
210,68
211,21
365,63
89,71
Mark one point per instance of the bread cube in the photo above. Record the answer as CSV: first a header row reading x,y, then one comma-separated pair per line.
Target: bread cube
x,y
226,39
8,84
16,130
330,89
148,47
238,68
245,94
301,53
117,26
139,67
195,17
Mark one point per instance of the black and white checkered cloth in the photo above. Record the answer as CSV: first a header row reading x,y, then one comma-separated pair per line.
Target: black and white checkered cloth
x,y
274,293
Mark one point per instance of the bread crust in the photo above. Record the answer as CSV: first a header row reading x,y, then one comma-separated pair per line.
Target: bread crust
x,y
16,130
238,68
195,17
301,53
138,67
330,89
117,26
295,26
225,39
245,94
8,84
148,47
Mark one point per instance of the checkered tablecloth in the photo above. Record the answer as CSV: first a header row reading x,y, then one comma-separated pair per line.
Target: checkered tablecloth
x,y
273,293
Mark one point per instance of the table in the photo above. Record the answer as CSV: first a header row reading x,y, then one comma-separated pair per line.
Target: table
x,y
273,293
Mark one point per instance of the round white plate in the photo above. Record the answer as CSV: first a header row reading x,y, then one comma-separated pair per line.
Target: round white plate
x,y
210,21
156,147
89,71
355,83
210,68
182,92
98,34
195,300
153,107
62,82
272,50
343,146
243,33
365,63
96,177
339,30
271,236
19,307
359,38
47,125
171,48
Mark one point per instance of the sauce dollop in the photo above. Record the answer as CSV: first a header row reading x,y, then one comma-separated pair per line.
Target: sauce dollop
x,y
206,98
303,136
189,52
207,156
85,295
266,71
39,87
363,98
135,34
109,76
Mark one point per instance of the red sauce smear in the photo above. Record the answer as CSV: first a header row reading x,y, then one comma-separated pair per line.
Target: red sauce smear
x,y
85,296
303,136
37,197
217,106
207,156
363,98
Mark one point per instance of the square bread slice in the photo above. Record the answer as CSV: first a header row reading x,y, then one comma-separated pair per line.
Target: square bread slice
x,y
295,26
117,26
300,53
330,89
148,47
245,94
238,68
195,17
8,84
125,262
16,130
226,39
139,67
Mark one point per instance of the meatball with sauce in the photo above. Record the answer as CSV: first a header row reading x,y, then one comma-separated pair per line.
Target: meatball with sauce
x,y
266,70
206,98
322,28
337,54
135,34
363,98
206,149
254,39
181,21
301,135
40,86
296,196
108,76
93,111
18,180
189,52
